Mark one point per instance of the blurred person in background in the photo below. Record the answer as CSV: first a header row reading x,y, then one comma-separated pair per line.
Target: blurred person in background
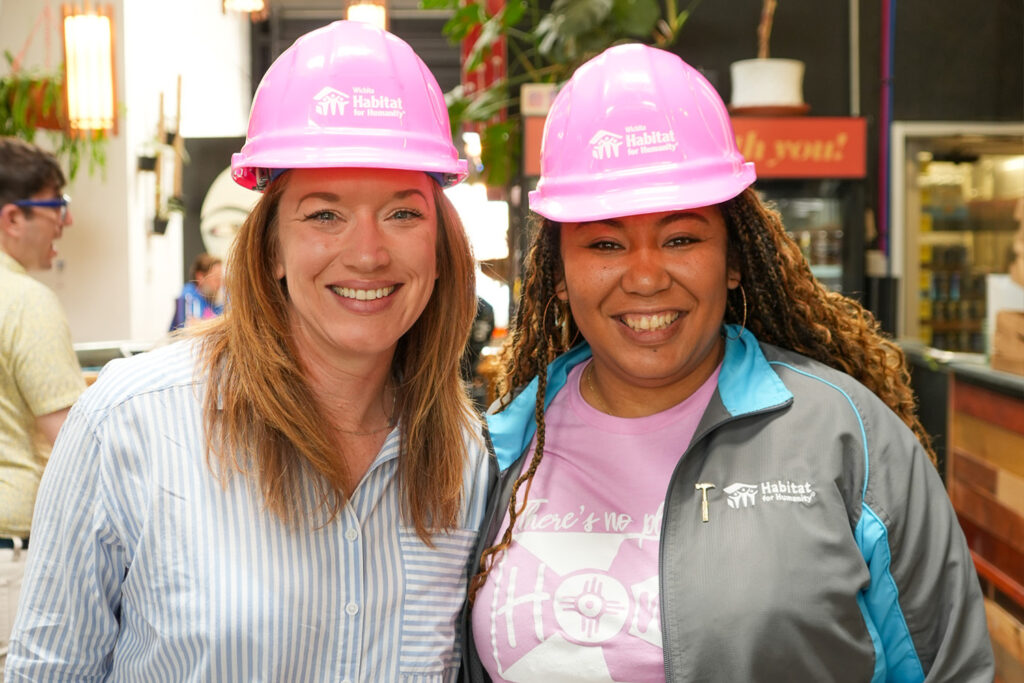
x,y
292,492
712,469
200,298
39,373
479,337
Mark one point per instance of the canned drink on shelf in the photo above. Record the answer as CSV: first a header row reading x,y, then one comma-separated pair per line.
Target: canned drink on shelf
x,y
819,247
804,240
834,247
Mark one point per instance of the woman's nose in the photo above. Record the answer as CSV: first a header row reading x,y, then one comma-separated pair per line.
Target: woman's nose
x,y
645,272
367,249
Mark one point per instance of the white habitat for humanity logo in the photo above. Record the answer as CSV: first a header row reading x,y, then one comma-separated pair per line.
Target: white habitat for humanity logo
x,y
605,145
741,495
330,102
367,102
639,140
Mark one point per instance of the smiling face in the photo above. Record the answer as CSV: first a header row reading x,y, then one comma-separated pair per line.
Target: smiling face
x,y
357,250
210,282
648,293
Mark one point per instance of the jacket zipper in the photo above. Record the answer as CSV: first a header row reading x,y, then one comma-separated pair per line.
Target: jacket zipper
x,y
669,678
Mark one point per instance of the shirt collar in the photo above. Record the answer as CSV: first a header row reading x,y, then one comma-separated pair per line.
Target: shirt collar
x,y
7,262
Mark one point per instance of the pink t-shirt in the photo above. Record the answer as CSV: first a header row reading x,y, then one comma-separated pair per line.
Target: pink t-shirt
x,y
575,597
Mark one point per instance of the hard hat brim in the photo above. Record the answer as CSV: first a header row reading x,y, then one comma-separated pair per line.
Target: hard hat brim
x,y
572,202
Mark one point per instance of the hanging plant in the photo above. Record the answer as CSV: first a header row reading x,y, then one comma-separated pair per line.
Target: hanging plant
x,y
32,102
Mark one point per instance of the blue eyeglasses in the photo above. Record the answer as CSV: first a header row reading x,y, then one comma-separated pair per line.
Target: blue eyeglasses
x,y
61,203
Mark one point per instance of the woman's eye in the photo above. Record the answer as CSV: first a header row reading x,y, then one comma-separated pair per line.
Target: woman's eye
x,y
406,214
322,216
604,245
681,241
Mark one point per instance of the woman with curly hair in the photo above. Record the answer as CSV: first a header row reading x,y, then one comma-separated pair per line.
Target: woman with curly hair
x,y
711,469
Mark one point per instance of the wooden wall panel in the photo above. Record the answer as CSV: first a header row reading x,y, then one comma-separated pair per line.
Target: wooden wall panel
x,y
989,406
1001,447
1005,487
975,473
995,551
997,519
1007,643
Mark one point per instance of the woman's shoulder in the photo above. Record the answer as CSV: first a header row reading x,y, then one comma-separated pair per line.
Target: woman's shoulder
x,y
478,443
478,476
162,368
821,382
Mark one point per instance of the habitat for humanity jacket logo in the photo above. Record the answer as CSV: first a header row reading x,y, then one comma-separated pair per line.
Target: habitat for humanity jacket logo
x,y
331,104
637,139
742,495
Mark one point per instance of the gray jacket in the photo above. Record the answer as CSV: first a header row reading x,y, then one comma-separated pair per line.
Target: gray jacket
x,y
831,553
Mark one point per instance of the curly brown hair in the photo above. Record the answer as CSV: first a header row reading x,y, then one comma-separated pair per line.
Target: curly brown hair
x,y
786,306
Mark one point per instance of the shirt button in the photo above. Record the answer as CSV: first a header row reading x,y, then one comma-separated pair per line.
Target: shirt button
x,y
351,534
351,608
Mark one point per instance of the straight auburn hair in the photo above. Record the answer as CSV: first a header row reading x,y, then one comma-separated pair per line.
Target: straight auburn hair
x,y
263,421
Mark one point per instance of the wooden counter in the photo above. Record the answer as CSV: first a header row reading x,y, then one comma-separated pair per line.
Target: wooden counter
x,y
985,479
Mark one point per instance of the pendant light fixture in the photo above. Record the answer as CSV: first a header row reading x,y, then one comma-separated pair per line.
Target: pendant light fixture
x,y
89,68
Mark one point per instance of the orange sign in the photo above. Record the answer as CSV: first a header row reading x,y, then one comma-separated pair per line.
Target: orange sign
x,y
533,131
803,146
780,147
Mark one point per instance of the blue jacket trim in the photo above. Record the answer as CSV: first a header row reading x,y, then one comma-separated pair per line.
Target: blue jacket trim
x,y
896,660
860,423
881,606
746,384
513,428
878,675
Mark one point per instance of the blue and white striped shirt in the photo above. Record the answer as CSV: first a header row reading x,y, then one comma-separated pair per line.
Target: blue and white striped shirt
x,y
144,568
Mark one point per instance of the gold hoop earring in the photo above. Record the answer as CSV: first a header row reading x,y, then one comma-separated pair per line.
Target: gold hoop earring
x,y
743,324
547,307
561,321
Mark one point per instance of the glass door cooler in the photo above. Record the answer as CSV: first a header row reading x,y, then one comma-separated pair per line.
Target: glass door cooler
x,y
812,170
825,217
958,194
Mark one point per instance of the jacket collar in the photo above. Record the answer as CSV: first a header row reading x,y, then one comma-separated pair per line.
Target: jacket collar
x,y
746,384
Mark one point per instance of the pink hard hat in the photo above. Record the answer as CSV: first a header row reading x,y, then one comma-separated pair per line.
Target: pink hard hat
x,y
636,130
348,95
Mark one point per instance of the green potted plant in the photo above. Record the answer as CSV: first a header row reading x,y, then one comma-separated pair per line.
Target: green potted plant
x,y
542,46
32,104
767,85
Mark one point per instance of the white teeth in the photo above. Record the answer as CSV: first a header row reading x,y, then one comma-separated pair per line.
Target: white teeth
x,y
363,294
648,323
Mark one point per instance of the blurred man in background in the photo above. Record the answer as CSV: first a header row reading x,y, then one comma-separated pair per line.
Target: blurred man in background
x,y
39,373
